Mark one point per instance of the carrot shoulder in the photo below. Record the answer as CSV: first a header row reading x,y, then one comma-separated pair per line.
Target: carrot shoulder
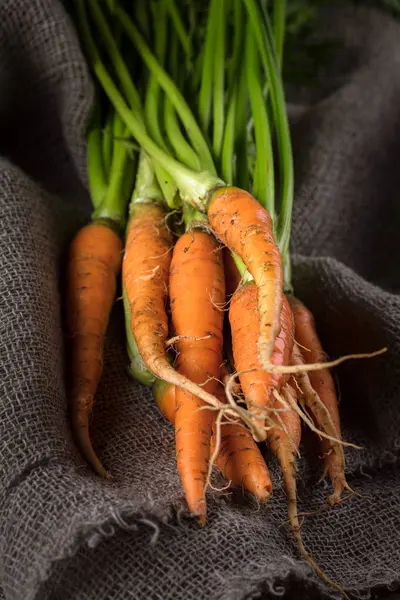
x,y
243,225
197,291
93,265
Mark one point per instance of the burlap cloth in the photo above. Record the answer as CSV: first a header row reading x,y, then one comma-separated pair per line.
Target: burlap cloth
x,y
66,534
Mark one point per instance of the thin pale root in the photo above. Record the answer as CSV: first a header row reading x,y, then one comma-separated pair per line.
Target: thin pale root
x,y
258,433
176,338
290,484
293,369
214,456
308,421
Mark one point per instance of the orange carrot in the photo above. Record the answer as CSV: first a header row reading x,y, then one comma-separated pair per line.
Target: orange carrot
x,y
197,291
145,272
257,384
322,383
243,225
260,387
239,459
93,265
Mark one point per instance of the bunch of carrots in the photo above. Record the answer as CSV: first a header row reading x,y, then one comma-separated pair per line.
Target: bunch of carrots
x,y
191,179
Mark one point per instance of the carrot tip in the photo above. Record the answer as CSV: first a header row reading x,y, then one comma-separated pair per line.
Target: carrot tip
x,y
198,511
201,519
263,496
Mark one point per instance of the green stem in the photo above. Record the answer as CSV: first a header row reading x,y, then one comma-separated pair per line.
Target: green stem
x,y
287,273
153,103
114,205
263,181
142,16
121,70
238,39
265,43
175,68
130,91
229,140
183,150
107,142
241,145
169,87
151,111
122,137
179,27
241,267
129,174
146,186
153,99
190,214
228,146
219,79
278,26
195,80
205,96
137,367
95,166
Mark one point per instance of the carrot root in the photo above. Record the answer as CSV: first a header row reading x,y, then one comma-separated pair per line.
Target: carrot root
x,y
196,255
324,421
94,263
257,385
285,448
238,457
245,227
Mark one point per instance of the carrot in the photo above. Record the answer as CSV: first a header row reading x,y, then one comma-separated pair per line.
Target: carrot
x,y
322,384
197,319
145,272
93,266
239,458
260,389
243,225
257,384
